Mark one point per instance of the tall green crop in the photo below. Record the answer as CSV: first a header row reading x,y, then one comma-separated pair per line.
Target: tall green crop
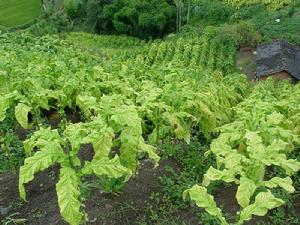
x,y
128,103
274,4
262,134
55,148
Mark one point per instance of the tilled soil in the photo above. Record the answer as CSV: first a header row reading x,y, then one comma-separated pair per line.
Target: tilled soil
x,y
102,208
131,207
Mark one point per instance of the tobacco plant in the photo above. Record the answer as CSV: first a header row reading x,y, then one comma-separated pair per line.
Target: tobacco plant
x,y
273,5
48,147
260,137
127,103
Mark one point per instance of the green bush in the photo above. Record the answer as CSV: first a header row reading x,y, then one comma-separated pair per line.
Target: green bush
x,y
144,19
210,12
93,10
243,34
247,13
72,8
280,24
141,18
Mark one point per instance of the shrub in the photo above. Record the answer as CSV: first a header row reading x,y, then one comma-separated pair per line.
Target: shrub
x,y
243,34
72,8
143,19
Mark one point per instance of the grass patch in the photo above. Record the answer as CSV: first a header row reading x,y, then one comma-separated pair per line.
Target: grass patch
x,y
18,12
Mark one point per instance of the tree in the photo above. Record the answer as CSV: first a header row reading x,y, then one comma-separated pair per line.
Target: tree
x,y
141,18
179,5
188,12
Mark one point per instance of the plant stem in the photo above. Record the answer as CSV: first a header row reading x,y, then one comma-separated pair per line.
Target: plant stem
x,y
63,117
157,127
9,156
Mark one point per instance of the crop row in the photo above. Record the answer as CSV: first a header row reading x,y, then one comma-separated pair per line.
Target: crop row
x,y
127,108
201,52
274,4
264,132
130,103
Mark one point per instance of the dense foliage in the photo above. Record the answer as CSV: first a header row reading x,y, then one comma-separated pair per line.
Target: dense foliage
x,y
140,18
143,19
264,131
171,97
275,4
118,112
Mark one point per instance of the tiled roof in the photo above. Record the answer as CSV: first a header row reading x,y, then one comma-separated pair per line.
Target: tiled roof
x,y
276,57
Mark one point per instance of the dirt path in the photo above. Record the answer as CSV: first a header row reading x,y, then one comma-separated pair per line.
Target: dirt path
x,y
246,63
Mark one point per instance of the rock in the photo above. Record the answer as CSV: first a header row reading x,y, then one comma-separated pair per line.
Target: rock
x,y
108,206
3,210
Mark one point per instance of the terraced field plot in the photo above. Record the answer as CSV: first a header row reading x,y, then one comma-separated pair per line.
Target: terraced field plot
x,y
18,12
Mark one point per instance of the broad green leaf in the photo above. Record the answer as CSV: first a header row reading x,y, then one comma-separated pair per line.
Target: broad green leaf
x,y
101,137
77,135
86,104
163,132
40,161
126,115
213,174
103,144
68,194
255,148
253,138
150,150
233,161
181,130
207,120
264,202
21,113
220,146
5,103
245,190
275,118
130,140
256,170
42,138
95,132
204,200
111,168
285,183
3,81
41,99
149,93
277,146
290,166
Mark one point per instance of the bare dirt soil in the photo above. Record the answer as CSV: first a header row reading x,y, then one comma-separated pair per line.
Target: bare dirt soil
x,y
103,208
132,207
246,62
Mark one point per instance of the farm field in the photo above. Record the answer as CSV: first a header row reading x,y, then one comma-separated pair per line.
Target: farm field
x,y
113,129
18,12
